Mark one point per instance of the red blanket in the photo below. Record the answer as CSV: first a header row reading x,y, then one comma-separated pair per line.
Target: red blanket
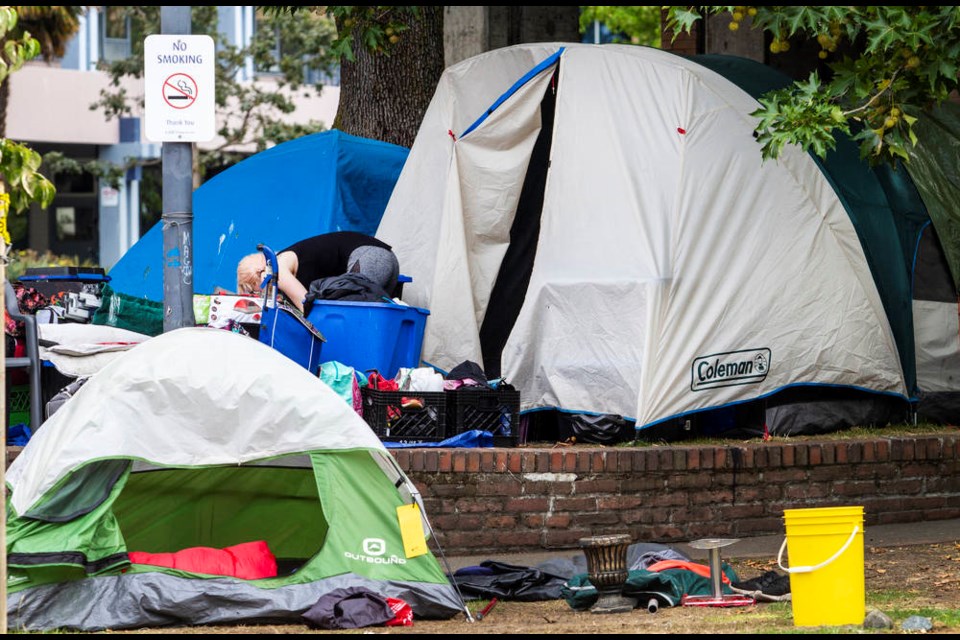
x,y
248,560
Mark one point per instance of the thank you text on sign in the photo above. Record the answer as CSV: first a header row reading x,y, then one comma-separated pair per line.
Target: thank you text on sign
x,y
179,88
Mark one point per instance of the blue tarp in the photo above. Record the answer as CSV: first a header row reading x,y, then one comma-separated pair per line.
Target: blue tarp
x,y
328,181
467,440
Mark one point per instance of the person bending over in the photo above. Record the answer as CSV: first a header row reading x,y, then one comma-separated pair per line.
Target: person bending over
x,y
322,256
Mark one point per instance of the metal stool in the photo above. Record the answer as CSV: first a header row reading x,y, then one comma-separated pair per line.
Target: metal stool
x,y
717,598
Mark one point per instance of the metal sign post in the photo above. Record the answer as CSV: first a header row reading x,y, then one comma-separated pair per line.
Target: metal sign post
x,y
179,89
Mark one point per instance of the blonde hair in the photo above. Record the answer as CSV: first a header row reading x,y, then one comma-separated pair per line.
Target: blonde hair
x,y
250,273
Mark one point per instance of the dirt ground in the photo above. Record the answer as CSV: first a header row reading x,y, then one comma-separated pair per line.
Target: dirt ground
x,y
899,581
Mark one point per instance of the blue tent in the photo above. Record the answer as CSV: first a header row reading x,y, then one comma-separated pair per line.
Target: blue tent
x,y
328,181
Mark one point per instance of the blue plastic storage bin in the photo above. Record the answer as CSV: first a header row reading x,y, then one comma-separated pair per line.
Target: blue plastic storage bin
x,y
370,335
293,336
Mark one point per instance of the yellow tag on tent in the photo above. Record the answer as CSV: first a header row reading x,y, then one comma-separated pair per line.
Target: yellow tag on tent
x,y
411,529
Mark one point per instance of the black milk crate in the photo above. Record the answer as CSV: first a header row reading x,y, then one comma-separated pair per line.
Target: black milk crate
x,y
496,411
18,405
392,422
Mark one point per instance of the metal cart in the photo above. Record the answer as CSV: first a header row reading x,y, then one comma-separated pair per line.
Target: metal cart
x,y
283,327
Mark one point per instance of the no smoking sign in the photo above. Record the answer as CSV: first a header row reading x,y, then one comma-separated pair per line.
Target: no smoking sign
x,y
179,88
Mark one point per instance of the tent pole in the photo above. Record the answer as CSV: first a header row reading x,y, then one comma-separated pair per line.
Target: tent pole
x,y
443,557
418,500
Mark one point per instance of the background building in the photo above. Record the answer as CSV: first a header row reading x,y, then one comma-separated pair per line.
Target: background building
x,y
50,110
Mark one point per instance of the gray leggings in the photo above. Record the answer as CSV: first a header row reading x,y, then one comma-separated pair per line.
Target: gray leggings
x,y
376,263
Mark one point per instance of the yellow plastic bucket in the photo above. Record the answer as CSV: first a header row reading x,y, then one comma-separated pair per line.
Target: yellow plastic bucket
x,y
825,548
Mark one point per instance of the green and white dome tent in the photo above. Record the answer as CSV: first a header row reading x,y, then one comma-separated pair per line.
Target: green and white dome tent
x,y
909,227
204,438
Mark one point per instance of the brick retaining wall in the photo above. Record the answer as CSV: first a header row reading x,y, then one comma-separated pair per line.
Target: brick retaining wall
x,y
501,501
498,501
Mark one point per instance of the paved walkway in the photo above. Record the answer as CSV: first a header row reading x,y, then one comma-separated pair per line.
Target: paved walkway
x,y
885,535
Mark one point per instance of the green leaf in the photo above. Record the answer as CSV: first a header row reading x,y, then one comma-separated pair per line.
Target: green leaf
x,y
898,151
948,68
372,37
8,20
343,48
681,20
31,48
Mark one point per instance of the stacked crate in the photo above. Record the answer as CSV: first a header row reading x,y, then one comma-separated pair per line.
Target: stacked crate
x,y
408,417
419,417
18,405
496,411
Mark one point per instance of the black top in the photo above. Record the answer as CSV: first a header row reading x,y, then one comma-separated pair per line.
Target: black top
x,y
326,255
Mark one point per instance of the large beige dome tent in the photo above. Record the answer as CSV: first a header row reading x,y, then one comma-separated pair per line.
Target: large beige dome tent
x,y
595,224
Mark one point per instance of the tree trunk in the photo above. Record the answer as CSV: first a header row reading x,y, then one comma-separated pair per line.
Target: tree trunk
x,y
384,97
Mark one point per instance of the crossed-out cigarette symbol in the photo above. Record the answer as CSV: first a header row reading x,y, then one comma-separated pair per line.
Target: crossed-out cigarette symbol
x,y
179,91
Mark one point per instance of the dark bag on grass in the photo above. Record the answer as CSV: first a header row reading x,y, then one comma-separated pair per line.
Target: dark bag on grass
x,y
349,608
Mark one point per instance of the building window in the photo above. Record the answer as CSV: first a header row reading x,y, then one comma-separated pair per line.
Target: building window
x,y
74,216
115,34
74,183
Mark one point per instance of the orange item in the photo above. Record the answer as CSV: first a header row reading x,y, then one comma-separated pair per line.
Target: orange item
x,y
411,403
699,569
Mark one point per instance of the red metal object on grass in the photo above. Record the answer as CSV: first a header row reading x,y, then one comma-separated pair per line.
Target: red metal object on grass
x,y
486,610
724,600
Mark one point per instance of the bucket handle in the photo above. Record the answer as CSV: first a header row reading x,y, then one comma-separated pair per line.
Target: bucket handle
x,y
839,553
